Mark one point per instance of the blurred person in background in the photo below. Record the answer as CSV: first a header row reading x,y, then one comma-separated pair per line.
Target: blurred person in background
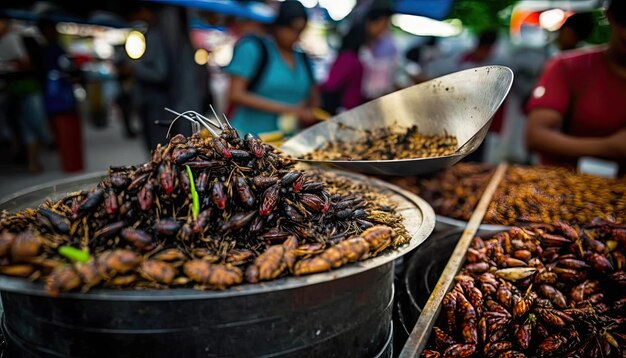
x,y
269,77
25,112
189,81
381,56
483,53
344,87
243,31
577,108
576,29
527,62
58,74
417,60
124,98
167,75
152,75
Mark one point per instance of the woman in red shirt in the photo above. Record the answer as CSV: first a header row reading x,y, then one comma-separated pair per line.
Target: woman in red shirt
x,y
578,108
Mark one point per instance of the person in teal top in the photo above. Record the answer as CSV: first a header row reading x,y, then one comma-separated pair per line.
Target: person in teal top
x,y
285,83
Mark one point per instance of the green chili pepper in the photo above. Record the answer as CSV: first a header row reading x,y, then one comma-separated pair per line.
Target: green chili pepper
x,y
74,254
195,200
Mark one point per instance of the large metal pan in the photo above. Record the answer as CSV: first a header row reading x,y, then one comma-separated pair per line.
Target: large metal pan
x,y
461,104
345,312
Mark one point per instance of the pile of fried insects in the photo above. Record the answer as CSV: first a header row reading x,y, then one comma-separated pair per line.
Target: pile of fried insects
x,y
208,212
532,194
381,144
541,291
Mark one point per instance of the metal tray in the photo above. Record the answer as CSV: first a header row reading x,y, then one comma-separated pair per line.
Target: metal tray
x,y
461,104
419,220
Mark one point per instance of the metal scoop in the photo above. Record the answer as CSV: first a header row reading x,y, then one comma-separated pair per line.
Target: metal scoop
x,y
460,104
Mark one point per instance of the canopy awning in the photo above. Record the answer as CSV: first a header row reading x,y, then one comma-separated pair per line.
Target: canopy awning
x,y
435,9
255,11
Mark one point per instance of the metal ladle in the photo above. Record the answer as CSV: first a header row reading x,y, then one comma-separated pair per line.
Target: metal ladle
x,y
460,104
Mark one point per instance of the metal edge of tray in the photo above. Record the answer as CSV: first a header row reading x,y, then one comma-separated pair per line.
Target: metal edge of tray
x,y
84,177
445,222
409,167
420,234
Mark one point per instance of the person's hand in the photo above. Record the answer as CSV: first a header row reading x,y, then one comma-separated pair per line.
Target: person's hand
x,y
617,143
305,116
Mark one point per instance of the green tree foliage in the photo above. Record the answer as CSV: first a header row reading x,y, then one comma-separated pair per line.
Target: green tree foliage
x,y
602,30
480,15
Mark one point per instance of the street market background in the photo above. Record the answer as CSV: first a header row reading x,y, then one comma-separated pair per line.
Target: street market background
x,y
431,38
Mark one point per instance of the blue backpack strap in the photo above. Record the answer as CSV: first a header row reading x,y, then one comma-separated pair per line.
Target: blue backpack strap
x,y
261,65
264,58
308,65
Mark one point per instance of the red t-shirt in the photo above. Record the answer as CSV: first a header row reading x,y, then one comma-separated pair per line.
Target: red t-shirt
x,y
581,87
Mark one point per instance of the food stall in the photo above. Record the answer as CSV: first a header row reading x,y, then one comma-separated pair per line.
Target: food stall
x,y
221,236
222,245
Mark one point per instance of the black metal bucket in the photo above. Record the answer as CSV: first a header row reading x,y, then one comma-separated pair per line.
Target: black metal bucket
x,y
342,313
388,349
340,318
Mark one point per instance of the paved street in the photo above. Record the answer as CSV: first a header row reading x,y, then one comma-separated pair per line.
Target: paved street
x,y
103,147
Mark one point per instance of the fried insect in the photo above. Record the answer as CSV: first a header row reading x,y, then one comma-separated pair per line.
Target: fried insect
x,y
157,271
218,195
347,251
138,238
273,262
243,190
26,246
120,261
269,200
219,276
58,222
62,278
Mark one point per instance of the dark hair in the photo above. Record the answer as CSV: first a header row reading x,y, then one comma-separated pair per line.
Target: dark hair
x,y
487,38
357,35
45,23
617,9
132,7
414,54
582,24
354,39
288,11
377,13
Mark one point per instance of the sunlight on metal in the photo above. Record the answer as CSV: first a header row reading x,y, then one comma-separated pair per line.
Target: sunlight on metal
x,y
424,26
